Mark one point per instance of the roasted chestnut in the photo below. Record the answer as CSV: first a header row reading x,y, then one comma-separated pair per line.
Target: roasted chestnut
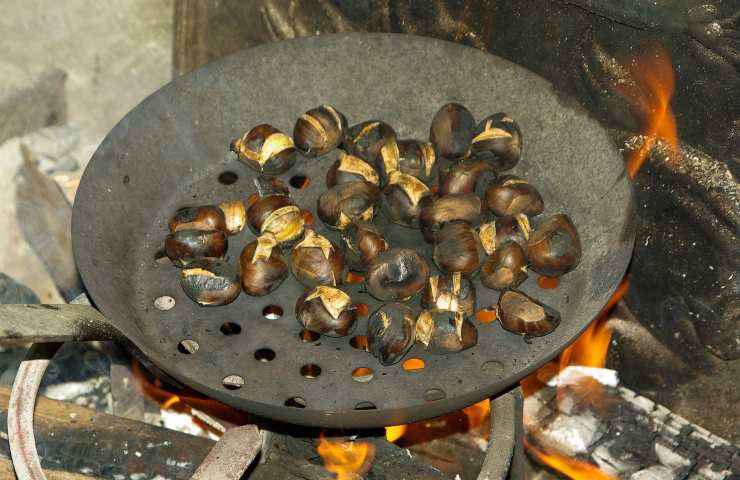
x,y
387,161
509,195
505,268
316,260
554,247
347,203
365,139
206,218
235,215
276,214
319,130
348,169
498,139
457,248
266,149
210,282
437,211
184,246
452,131
362,243
451,292
396,274
514,228
391,331
443,331
417,158
262,265
325,310
402,199
523,315
471,175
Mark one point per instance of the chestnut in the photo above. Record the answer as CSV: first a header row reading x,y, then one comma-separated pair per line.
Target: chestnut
x,y
349,168
442,331
401,199
210,282
315,260
365,139
471,175
265,149
514,228
262,265
509,195
396,275
346,203
183,246
451,292
206,218
457,248
417,158
235,215
554,247
387,161
391,331
523,315
437,211
326,311
497,138
452,131
276,214
362,243
505,268
319,130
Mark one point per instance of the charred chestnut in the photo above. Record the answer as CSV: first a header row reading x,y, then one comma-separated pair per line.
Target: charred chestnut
x,y
396,274
417,158
442,331
263,266
315,260
499,140
437,211
319,130
514,228
278,215
555,247
510,195
451,292
235,215
348,169
362,243
210,282
452,131
365,139
206,218
505,268
402,199
347,203
266,150
391,331
184,246
523,315
325,310
468,176
457,248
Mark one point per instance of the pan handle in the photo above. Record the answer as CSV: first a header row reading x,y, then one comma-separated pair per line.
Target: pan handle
x,y
54,323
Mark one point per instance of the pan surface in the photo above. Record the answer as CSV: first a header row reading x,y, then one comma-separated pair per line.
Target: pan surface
x,y
171,150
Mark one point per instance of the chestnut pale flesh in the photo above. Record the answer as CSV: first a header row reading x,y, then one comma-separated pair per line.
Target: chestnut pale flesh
x,y
452,292
265,149
440,332
391,331
278,215
521,314
418,159
365,139
210,282
514,228
348,169
402,199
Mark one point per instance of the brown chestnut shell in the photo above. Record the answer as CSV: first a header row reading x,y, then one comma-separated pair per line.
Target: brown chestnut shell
x,y
263,266
452,291
505,268
514,228
185,246
365,139
347,203
316,260
418,159
402,199
210,282
206,218
326,311
391,331
458,249
265,149
440,332
471,175
555,246
452,131
510,195
348,169
437,211
521,314
497,138
276,214
396,275
363,241
319,130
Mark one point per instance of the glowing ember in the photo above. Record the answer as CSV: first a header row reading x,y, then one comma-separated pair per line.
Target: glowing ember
x,y
395,432
572,467
348,460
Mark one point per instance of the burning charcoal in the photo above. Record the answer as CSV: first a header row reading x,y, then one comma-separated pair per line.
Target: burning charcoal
x,y
452,131
325,310
266,150
499,140
457,248
396,275
319,130
185,246
402,199
505,229
505,268
417,158
471,175
347,203
391,332
263,266
365,139
523,315
451,292
210,282
442,331
206,218
315,260
274,212
554,247
437,211
235,214
362,243
348,169
510,195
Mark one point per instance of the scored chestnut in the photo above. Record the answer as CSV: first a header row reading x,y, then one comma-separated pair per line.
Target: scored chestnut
x,y
265,149
555,246
391,331
210,282
235,214
316,260
417,158
497,138
387,161
348,169
396,275
326,311
276,214
523,315
365,139
437,211
262,265
510,195
471,175
363,241
319,130
207,218
505,268
452,131
402,199
458,249
514,228
451,292
347,203
184,246
442,331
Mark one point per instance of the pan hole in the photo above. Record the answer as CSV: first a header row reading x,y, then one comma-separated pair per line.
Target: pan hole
x,y
413,364
272,312
164,303
360,342
362,374
548,283
231,328
295,402
264,355
487,315
300,182
353,278
492,367
310,370
365,406
233,382
307,217
307,336
362,309
252,199
434,394
126,179
188,347
228,178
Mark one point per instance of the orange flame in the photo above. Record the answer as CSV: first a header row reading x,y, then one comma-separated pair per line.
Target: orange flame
x,y
348,460
474,419
571,467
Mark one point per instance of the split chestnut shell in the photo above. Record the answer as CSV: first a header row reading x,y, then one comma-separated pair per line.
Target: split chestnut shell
x,y
452,292
363,241
326,311
319,130
438,211
391,331
402,199
505,268
499,140
471,175
266,150
441,331
457,248
235,215
452,131
365,139
316,260
348,169
278,215
523,315
347,203
510,195
554,247
396,275
210,282
514,228
185,246
417,158
207,218
263,266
